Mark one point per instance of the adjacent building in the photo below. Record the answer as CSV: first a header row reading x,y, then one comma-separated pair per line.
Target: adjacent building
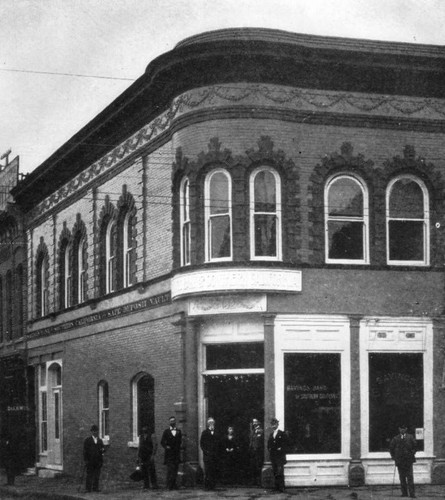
x,y
254,228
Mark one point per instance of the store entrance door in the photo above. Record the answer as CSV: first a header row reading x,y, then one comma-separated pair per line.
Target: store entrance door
x,y
234,400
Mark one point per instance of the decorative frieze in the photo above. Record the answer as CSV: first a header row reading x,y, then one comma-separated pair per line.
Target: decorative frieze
x,y
230,280
227,304
251,96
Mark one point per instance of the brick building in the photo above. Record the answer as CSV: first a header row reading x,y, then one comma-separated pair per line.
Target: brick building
x,y
17,384
253,228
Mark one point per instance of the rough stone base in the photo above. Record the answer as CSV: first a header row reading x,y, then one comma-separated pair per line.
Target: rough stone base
x,y
267,479
48,473
356,474
438,473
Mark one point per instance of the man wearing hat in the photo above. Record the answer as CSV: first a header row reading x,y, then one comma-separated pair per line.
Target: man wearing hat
x,y
93,451
277,445
403,450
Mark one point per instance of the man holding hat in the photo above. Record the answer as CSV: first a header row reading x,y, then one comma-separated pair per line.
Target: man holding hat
x,y
403,450
277,445
93,451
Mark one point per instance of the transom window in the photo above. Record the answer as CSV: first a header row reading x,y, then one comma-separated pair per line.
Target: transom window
x,y
218,215
265,215
407,228
346,220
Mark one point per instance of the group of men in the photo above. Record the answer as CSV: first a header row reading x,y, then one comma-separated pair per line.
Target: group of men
x,y
402,450
94,448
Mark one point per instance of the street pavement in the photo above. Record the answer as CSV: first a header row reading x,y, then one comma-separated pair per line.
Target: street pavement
x,y
63,488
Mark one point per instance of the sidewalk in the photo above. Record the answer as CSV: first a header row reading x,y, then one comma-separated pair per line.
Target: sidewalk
x,y
32,487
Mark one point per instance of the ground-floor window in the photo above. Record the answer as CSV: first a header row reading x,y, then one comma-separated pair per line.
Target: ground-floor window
x,y
312,403
395,396
143,387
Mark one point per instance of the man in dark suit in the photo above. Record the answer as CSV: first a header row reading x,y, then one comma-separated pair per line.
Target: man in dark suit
x,y
146,454
209,443
277,444
403,449
256,451
171,442
93,451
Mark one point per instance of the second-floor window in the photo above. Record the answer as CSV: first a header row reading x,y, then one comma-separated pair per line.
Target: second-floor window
x,y
41,285
67,275
185,221
81,270
110,256
127,239
265,215
346,220
407,215
218,216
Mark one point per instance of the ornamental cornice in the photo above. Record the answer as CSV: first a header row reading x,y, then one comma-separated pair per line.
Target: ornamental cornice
x,y
257,96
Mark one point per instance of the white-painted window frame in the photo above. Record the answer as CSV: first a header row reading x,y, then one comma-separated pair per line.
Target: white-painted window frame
x,y
425,220
277,213
364,219
209,217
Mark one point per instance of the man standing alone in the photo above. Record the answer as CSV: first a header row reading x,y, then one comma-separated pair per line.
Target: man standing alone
x,y
93,451
209,445
403,450
171,442
277,444
146,454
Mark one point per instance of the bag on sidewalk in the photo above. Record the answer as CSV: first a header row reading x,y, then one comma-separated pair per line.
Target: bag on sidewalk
x,y
137,474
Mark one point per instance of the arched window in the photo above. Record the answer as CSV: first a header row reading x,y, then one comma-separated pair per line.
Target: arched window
x,y
110,256
143,390
265,214
9,302
41,285
104,410
19,299
81,269
67,275
185,221
407,216
346,220
218,216
127,240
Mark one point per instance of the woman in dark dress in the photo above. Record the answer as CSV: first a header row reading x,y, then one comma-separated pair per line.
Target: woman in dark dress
x,y
230,457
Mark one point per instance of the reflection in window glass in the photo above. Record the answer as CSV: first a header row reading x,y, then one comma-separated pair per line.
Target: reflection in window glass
x,y
346,224
145,403
219,216
313,402
395,396
407,223
265,214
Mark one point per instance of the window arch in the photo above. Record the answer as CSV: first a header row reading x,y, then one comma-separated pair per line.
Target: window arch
x,y
265,214
218,215
110,255
346,220
19,299
42,283
184,203
407,221
104,410
128,248
143,398
80,269
9,302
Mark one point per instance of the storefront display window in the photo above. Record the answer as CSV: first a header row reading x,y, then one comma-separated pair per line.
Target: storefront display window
x,y
395,396
313,402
